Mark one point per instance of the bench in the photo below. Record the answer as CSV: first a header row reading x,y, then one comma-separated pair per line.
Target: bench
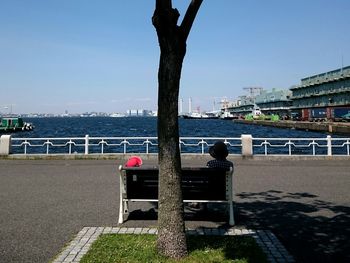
x,y
199,185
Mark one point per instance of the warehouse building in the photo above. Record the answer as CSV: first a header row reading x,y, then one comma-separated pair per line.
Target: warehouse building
x,y
276,102
324,96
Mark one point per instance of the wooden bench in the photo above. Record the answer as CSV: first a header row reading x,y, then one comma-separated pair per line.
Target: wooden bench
x,y
208,185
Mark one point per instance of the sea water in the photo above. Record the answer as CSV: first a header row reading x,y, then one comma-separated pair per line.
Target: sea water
x,y
131,127
147,127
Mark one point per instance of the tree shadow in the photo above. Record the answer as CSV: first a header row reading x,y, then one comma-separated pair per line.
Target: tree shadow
x,y
191,214
312,230
233,247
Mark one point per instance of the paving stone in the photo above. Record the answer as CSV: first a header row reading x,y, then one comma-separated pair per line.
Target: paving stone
x,y
69,258
255,236
115,230
200,231
215,232
84,230
276,254
238,232
85,249
153,231
145,230
267,241
91,230
123,230
138,230
191,232
245,232
207,231
250,231
230,231
130,230
107,230
60,258
221,231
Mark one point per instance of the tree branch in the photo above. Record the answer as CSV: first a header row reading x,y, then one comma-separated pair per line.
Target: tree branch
x,y
165,18
189,17
163,4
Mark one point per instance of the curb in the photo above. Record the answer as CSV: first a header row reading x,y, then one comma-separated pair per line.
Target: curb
x,y
79,246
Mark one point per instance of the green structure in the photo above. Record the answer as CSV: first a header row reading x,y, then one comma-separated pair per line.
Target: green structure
x,y
11,124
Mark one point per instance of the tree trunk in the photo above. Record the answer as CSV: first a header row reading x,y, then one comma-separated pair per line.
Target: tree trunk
x,y
171,235
172,41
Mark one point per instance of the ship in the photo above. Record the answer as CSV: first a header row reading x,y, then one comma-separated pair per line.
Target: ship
x,y
13,124
198,115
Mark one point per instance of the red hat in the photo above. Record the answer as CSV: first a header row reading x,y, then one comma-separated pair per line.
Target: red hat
x,y
133,161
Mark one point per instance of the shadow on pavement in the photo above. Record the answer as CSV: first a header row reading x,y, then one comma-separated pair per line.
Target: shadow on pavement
x,y
311,229
190,215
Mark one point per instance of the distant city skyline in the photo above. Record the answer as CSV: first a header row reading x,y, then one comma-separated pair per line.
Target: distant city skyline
x,y
89,56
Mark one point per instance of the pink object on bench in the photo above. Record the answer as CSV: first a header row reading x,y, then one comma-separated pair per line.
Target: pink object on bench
x,y
133,161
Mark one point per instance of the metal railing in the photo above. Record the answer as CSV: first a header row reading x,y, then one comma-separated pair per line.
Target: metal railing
x,y
304,146
188,145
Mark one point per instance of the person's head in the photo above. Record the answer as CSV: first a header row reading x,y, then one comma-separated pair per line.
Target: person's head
x,y
219,150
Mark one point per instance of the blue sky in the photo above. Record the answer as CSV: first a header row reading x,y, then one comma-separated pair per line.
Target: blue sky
x,y
89,55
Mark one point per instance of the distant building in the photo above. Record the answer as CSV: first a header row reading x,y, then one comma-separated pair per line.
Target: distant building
x,y
274,102
139,113
270,102
131,113
242,106
322,96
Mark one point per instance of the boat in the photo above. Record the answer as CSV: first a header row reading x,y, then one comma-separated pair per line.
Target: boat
x,y
198,115
192,115
256,114
117,115
226,115
12,124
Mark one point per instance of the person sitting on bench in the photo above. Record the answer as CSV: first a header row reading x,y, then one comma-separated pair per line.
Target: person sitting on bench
x,y
219,152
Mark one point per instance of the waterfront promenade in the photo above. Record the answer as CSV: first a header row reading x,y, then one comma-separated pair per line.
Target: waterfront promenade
x,y
305,203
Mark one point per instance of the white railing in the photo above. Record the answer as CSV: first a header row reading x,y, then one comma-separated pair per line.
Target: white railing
x,y
245,145
312,146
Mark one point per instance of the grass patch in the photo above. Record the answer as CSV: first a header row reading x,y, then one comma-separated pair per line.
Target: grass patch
x,y
142,248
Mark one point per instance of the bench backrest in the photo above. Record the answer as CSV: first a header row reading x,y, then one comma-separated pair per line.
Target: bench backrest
x,y
197,183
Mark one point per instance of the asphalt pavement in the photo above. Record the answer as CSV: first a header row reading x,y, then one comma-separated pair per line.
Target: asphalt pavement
x,y
45,203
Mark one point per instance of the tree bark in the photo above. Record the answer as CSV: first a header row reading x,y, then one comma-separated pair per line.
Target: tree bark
x,y
172,41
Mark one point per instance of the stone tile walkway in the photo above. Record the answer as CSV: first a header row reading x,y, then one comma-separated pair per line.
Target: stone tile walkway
x,y
268,242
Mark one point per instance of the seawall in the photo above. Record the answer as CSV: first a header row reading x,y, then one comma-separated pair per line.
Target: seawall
x,y
342,128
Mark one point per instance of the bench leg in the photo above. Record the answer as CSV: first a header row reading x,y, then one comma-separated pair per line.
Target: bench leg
x,y
126,207
121,211
232,218
230,192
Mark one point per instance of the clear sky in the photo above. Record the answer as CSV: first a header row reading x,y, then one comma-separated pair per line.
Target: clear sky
x,y
102,55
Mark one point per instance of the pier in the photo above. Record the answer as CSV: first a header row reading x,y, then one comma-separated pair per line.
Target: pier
x,y
342,128
303,201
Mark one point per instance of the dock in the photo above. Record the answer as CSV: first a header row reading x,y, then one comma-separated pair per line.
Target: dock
x,y
341,128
